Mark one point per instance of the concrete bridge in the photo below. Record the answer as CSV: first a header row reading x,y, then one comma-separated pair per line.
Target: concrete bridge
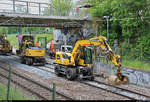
x,y
34,14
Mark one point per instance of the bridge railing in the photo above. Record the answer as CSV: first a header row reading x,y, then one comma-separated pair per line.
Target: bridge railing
x,y
25,7
33,8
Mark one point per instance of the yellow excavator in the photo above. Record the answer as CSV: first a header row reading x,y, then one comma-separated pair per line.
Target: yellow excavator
x,y
78,63
29,53
5,46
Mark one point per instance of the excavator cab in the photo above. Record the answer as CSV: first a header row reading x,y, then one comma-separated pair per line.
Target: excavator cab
x,y
86,55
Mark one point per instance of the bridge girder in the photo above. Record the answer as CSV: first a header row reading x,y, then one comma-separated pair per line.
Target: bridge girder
x,y
21,20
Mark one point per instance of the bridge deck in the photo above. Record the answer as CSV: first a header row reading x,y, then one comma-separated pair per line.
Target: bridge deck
x,y
10,19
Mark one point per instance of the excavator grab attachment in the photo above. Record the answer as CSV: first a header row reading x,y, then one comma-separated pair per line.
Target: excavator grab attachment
x,y
113,79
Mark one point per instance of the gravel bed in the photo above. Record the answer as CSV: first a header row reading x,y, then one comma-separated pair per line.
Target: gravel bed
x,y
82,91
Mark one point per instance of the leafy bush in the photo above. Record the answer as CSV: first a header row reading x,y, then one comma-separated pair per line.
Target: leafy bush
x,y
128,22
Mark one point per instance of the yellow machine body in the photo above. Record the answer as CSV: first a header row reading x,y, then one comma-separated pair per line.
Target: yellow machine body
x,y
34,52
5,46
29,53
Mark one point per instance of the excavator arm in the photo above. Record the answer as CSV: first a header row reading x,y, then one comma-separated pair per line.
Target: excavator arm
x,y
119,78
104,45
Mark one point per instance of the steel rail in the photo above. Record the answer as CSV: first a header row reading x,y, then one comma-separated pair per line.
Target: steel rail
x,y
15,82
37,83
123,89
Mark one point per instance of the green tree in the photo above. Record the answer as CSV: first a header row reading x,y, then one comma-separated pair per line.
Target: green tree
x,y
61,7
129,22
2,30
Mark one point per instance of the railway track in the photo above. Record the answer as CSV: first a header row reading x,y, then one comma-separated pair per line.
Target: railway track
x,y
139,95
104,86
37,88
111,88
118,90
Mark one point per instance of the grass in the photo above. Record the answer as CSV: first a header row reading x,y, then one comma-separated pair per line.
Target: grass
x,y
136,64
15,94
14,40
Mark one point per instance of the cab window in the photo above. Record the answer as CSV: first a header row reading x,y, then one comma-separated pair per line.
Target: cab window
x,y
58,57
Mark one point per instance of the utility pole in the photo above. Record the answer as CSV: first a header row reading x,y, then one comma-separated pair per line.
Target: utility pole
x,y
107,17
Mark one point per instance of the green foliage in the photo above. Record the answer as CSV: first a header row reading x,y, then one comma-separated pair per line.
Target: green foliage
x,y
15,94
136,64
128,22
14,40
25,30
61,7
2,30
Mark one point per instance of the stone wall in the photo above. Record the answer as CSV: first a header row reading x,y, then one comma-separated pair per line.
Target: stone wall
x,y
135,76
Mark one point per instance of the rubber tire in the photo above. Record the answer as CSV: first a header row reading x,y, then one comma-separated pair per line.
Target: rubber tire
x,y
71,73
43,62
92,78
30,61
57,70
26,61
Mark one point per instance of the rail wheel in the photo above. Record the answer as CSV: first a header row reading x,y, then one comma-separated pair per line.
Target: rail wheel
x,y
22,60
44,61
57,70
71,73
29,61
92,78
26,61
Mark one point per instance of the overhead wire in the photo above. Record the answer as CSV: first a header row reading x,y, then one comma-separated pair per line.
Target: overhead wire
x,y
119,19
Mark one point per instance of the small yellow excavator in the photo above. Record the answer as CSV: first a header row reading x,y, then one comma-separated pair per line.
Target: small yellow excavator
x,y
29,53
78,63
5,46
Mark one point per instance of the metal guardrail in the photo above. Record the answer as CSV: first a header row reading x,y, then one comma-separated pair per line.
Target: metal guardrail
x,y
25,7
33,8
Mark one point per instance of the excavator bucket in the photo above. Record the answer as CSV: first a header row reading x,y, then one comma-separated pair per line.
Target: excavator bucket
x,y
113,79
